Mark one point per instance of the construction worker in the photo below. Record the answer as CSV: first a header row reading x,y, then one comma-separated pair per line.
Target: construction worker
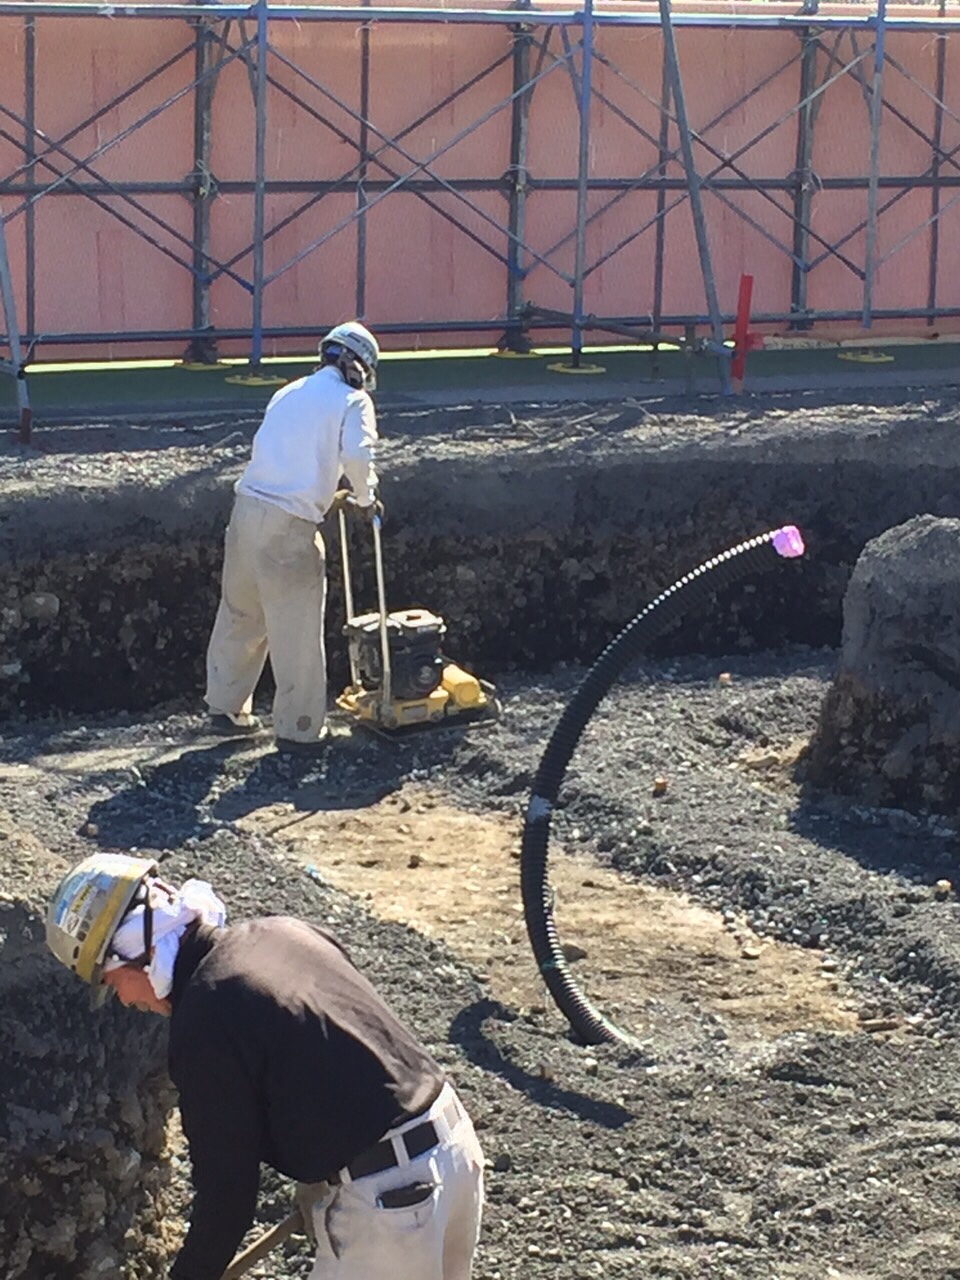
x,y
283,1054
273,598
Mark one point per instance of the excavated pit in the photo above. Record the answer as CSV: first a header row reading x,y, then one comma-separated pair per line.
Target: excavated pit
x,y
535,536
537,533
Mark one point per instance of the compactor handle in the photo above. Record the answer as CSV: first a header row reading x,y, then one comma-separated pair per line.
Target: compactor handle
x,y
345,501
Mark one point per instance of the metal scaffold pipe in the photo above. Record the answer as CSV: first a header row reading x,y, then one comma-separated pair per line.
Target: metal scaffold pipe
x,y
259,198
8,313
935,170
803,171
500,17
583,170
693,187
30,172
363,170
876,116
202,193
661,231
519,181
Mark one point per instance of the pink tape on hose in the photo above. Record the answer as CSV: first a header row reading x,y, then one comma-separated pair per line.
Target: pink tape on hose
x,y
788,542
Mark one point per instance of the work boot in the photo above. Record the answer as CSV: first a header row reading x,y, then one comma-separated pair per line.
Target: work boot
x,y
311,747
229,724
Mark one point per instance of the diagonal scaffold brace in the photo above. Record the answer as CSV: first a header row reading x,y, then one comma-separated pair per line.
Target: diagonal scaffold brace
x,y
694,183
15,366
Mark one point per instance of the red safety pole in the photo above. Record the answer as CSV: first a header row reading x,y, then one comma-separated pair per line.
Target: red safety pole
x,y
741,344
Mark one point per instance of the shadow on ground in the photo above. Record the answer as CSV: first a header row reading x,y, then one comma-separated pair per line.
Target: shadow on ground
x,y
886,841
204,787
467,1031
164,805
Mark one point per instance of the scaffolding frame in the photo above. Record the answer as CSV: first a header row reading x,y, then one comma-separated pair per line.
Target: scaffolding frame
x,y
221,34
16,366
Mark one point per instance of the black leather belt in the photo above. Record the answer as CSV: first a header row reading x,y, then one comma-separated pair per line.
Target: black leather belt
x,y
382,1156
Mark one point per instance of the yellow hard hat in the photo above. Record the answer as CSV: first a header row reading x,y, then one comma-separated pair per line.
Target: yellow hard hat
x,y
89,904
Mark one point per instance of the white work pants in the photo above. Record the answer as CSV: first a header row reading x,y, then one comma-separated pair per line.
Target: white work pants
x,y
358,1239
273,598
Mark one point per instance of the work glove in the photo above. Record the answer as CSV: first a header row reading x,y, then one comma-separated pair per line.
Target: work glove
x,y
339,501
374,509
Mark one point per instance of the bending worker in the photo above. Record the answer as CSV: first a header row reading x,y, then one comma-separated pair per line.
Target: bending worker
x,y
283,1054
273,595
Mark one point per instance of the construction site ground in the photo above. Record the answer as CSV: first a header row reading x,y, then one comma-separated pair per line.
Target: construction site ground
x,y
785,961
793,1107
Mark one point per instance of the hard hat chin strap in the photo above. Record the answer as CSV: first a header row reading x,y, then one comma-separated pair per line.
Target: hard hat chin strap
x,y
348,364
147,931
354,374
145,900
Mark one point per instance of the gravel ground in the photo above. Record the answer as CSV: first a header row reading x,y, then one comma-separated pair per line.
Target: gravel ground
x,y
809,1156
96,459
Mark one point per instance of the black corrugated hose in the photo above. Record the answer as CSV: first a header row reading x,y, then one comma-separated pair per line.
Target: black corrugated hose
x,y
761,552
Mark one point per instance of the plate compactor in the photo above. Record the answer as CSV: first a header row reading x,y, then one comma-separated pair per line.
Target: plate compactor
x,y
399,674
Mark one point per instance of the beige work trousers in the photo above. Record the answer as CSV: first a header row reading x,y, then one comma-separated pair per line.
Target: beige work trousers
x,y
357,1238
273,598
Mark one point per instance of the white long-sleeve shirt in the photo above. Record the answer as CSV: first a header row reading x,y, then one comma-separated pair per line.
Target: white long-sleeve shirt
x,y
314,431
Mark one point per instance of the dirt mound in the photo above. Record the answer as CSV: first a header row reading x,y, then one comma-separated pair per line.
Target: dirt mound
x,y
889,733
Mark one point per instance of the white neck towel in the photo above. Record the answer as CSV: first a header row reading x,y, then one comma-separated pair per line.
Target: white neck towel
x,y
173,913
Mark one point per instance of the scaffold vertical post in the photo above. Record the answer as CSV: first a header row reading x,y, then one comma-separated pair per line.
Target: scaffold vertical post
x,y
661,231
514,338
30,173
803,172
15,365
363,143
693,189
873,189
201,347
934,268
259,192
583,171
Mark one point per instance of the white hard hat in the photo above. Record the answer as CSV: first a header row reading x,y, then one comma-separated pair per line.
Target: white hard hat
x,y
88,906
356,339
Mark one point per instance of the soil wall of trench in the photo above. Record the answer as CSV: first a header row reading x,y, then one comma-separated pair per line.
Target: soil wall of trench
x,y
536,533
84,1177
537,538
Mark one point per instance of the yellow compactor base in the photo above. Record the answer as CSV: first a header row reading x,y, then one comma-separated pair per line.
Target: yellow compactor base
x,y
458,693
